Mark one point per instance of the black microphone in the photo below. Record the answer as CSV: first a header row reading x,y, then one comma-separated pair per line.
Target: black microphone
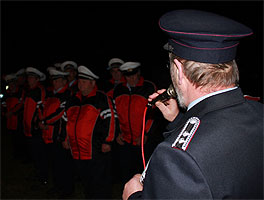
x,y
166,95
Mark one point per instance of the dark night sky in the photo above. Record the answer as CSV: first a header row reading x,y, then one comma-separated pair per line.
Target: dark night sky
x,y
39,34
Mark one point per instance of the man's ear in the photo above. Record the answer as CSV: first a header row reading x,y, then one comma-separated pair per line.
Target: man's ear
x,y
179,67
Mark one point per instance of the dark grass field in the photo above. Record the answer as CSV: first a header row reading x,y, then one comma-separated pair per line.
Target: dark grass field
x,y
15,173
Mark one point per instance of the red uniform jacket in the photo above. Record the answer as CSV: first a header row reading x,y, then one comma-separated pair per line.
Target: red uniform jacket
x,y
12,102
90,123
34,99
112,84
53,109
130,106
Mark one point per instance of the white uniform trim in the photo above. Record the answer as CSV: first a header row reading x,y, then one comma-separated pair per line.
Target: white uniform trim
x,y
187,133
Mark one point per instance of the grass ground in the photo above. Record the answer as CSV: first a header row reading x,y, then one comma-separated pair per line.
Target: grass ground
x,y
14,177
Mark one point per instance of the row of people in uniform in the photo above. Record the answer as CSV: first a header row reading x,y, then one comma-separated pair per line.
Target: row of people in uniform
x,y
78,126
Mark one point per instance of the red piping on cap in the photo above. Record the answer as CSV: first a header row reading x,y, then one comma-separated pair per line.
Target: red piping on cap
x,y
204,34
205,48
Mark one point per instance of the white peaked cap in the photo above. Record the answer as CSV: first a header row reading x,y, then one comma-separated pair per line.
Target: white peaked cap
x,y
50,68
57,65
35,72
54,72
10,77
129,66
114,61
84,72
68,64
20,72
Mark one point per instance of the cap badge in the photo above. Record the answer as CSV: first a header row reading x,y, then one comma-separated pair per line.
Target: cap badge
x,y
187,133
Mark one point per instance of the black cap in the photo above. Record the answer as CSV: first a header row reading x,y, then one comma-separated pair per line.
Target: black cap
x,y
202,36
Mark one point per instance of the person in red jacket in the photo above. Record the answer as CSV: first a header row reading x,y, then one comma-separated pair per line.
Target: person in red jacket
x,y
130,101
23,87
33,103
116,75
53,109
71,68
90,132
11,104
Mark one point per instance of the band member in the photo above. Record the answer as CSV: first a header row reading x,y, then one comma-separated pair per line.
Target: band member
x,y
53,109
130,101
90,132
71,68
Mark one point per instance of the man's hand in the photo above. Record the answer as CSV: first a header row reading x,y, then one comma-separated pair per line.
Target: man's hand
x,y
65,145
138,140
42,126
8,114
169,108
132,186
120,140
106,148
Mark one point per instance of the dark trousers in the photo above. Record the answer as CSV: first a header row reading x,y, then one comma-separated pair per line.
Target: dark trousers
x,y
130,161
39,156
61,167
96,176
16,143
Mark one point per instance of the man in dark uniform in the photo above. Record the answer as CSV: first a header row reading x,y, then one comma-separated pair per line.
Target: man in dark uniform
x,y
215,149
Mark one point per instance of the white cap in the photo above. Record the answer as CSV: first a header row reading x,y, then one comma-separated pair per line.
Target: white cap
x,y
57,74
57,65
129,66
68,64
84,72
114,61
50,68
10,77
35,72
20,72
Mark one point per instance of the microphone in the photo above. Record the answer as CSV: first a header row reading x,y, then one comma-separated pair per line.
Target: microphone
x,y
166,95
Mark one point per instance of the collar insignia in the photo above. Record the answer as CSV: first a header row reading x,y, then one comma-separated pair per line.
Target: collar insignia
x,y
187,133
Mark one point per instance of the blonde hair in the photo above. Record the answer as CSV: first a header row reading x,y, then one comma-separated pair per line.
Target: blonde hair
x,y
209,75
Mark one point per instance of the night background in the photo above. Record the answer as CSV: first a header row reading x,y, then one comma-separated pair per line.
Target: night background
x,y
41,33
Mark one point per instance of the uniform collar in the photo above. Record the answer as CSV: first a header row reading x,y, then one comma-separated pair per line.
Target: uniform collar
x,y
122,80
212,103
140,82
208,95
61,90
72,82
92,93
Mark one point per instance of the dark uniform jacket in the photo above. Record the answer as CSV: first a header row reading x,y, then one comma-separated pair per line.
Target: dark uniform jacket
x,y
90,123
53,109
33,100
130,106
214,151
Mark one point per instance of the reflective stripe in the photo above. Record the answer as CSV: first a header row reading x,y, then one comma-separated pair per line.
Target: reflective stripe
x,y
62,105
105,112
64,116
